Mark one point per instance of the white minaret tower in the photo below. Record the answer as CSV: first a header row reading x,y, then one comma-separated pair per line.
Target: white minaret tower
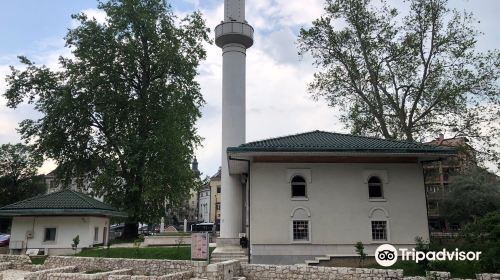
x,y
234,35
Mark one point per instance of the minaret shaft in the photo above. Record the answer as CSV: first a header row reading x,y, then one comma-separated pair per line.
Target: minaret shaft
x,y
234,36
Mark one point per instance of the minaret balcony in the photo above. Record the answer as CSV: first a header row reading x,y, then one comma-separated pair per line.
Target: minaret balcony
x,y
234,32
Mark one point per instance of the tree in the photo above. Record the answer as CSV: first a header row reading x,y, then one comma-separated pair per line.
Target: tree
x,y
484,236
472,196
121,112
405,76
18,174
360,250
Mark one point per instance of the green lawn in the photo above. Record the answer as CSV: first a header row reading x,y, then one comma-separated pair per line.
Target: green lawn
x,y
38,259
166,253
458,269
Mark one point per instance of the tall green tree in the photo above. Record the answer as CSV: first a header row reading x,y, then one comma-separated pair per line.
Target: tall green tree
x,y
121,111
405,76
473,195
18,174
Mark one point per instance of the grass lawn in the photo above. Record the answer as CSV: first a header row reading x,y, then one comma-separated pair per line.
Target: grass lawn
x,y
38,259
458,269
166,253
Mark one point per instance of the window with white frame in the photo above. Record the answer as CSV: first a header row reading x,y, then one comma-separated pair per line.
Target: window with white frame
x,y
300,230
379,230
299,187
375,188
300,225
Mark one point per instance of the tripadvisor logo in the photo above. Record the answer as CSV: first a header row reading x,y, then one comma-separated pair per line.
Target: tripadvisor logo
x,y
387,255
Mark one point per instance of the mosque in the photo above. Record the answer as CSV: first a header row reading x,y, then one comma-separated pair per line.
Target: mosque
x,y
315,193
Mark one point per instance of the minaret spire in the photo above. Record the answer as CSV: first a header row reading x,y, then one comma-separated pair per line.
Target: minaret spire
x,y
234,35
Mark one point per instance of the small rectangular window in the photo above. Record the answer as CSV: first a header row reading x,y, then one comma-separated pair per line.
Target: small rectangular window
x,y
217,205
379,230
96,234
218,189
300,230
50,234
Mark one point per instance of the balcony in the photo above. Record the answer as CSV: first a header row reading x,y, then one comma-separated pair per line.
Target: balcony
x,y
234,32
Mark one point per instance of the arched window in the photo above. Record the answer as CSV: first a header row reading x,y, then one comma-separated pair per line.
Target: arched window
x,y
375,188
298,187
301,225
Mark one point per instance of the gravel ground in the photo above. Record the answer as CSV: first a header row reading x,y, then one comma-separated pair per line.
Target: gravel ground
x,y
12,274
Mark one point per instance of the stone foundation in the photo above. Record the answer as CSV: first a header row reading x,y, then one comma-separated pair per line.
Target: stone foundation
x,y
139,266
270,272
57,268
42,274
82,276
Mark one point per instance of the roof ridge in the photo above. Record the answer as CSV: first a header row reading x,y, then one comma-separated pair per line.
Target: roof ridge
x,y
83,197
342,134
383,139
281,137
31,198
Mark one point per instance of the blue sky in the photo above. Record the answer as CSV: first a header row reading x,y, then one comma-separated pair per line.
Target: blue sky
x,y
276,77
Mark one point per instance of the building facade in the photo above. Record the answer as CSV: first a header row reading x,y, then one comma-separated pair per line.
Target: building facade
x,y
438,175
215,198
50,222
204,204
318,193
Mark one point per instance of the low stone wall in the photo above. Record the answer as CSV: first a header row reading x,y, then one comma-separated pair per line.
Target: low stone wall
x,y
42,274
139,267
186,275
163,240
440,275
5,265
271,272
485,276
82,276
18,261
223,270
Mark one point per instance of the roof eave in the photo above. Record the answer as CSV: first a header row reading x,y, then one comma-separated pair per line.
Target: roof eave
x,y
250,152
62,212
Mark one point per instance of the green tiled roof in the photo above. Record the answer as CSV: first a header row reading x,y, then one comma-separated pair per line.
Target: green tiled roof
x,y
64,202
321,141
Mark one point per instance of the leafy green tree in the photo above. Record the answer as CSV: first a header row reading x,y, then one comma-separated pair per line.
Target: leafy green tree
x,y
121,111
18,174
472,196
484,236
405,76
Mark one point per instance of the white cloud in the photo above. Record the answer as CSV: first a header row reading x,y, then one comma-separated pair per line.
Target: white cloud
x,y
99,15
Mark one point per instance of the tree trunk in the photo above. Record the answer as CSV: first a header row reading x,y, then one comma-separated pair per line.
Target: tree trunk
x,y
130,231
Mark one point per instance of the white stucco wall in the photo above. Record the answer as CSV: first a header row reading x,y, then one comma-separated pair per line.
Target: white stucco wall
x,y
204,206
67,228
339,207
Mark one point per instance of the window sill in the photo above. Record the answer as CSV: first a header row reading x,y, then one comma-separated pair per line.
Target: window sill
x,y
49,242
378,200
379,241
301,242
299,198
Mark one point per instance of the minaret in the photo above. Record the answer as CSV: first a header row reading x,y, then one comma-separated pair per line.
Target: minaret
x,y
234,35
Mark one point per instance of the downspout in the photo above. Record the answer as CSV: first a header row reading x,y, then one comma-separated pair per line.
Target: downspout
x,y
248,206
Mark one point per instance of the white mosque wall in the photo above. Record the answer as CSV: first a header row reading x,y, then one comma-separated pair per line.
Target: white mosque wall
x,y
337,206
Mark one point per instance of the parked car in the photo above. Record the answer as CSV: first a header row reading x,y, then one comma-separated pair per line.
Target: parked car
x,y
4,239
